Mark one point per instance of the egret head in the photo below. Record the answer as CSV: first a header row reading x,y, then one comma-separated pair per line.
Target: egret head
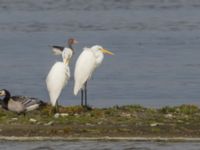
x,y
98,48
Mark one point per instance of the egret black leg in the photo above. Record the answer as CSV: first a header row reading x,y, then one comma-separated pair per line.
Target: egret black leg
x,y
55,108
23,113
86,93
81,97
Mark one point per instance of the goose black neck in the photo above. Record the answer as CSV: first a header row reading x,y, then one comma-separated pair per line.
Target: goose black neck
x,y
7,97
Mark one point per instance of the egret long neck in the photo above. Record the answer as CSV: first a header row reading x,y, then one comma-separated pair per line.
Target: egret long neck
x,y
66,55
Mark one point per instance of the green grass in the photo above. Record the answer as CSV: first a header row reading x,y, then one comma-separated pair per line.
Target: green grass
x,y
131,120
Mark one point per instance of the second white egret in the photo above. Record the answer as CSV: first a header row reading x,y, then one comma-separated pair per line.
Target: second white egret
x,y
86,64
58,77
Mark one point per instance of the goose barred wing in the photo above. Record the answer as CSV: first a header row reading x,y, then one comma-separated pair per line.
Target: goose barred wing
x,y
28,102
57,50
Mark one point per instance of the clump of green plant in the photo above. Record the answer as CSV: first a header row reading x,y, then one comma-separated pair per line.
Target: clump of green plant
x,y
183,109
167,110
97,113
67,129
49,110
132,108
46,110
188,109
72,109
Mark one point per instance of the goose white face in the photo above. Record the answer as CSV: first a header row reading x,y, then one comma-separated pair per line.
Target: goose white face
x,y
2,93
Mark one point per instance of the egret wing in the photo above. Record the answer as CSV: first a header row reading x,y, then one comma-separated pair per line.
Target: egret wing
x,y
56,80
85,65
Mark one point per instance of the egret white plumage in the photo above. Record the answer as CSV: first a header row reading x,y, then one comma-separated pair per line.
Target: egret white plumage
x,y
86,64
58,76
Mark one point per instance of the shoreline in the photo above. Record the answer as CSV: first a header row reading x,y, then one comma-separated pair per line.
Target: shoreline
x,y
106,138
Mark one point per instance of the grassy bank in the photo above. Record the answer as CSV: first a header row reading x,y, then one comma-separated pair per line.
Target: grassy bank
x,y
123,121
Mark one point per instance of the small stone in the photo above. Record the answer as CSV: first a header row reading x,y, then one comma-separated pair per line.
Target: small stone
x,y
49,123
64,114
76,114
126,115
57,115
14,119
180,121
100,122
39,123
156,124
89,124
169,116
153,124
32,120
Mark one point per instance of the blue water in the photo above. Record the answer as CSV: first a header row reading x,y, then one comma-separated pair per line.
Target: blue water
x,y
97,145
156,62
156,45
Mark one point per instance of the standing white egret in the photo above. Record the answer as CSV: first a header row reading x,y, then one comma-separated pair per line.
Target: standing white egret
x,y
86,64
58,77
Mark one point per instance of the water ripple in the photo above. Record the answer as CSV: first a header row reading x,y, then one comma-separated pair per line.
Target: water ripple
x,y
43,148
88,5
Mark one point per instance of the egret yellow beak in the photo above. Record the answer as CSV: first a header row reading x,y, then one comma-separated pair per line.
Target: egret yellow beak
x,y
105,51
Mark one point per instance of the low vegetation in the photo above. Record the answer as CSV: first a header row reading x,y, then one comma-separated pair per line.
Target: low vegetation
x,y
129,121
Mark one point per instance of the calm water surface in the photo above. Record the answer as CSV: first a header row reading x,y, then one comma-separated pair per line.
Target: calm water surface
x,y
157,56
156,45
92,145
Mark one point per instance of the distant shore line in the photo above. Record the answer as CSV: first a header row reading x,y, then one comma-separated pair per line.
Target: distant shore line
x,y
105,138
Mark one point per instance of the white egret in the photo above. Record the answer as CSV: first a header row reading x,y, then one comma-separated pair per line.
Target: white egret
x,y
59,74
19,104
86,64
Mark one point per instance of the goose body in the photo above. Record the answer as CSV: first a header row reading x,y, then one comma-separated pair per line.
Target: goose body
x,y
19,104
